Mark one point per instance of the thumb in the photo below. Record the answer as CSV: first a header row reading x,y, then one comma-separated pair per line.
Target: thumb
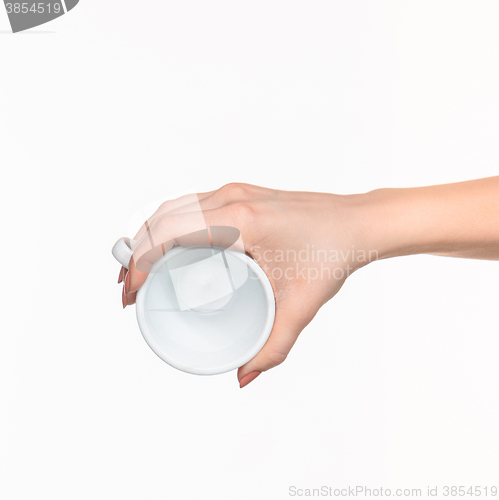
x,y
289,322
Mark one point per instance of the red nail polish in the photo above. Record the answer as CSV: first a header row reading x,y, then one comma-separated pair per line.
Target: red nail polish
x,y
123,298
248,378
127,283
122,274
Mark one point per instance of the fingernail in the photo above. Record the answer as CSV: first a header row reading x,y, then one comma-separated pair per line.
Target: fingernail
x,y
248,378
127,283
122,274
123,298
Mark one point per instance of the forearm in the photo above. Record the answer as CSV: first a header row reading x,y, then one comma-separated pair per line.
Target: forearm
x,y
458,220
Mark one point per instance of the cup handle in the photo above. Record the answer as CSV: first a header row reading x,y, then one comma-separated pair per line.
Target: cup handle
x,y
122,251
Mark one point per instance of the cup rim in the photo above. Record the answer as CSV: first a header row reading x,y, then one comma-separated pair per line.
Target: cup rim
x,y
250,354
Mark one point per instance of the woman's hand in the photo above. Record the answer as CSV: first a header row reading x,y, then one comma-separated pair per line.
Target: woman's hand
x,y
307,243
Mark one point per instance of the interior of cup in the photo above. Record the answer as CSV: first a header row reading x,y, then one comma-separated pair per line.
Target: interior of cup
x,y
205,310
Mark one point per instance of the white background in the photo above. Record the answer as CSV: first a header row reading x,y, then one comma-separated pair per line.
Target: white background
x,y
120,103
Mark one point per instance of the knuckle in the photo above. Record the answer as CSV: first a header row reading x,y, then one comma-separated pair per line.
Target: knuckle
x,y
163,230
163,224
234,191
243,212
276,357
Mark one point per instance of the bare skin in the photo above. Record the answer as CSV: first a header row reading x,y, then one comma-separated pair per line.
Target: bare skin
x,y
347,231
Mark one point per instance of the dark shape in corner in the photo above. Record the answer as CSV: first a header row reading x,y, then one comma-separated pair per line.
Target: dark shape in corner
x,y
71,4
26,15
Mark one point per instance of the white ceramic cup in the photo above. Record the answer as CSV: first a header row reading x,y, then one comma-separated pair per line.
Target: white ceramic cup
x,y
203,310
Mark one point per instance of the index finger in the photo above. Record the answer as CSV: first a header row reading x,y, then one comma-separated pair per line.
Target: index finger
x,y
186,229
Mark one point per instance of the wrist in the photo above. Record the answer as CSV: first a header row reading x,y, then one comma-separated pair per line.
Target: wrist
x,y
364,227
389,228
393,222
459,219
401,221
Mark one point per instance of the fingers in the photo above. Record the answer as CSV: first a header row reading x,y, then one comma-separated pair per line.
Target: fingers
x,y
184,204
187,229
162,234
136,279
126,298
122,274
192,220
230,193
289,322
130,298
